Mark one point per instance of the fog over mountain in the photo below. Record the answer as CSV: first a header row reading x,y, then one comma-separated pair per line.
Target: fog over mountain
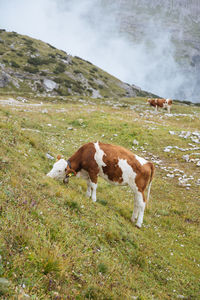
x,y
152,44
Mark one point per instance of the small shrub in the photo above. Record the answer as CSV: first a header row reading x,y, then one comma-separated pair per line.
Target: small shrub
x,y
51,55
32,49
89,91
59,69
94,69
27,41
77,90
43,73
78,57
77,71
14,64
58,80
51,46
12,34
19,54
62,91
36,61
40,87
31,69
68,83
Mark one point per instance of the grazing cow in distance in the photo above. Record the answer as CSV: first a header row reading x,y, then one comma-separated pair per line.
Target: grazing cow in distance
x,y
168,105
163,103
115,164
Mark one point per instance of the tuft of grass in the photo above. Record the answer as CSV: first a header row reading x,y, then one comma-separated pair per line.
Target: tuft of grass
x,y
73,205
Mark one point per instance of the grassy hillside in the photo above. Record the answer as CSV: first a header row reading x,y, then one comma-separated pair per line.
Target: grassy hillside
x,y
30,66
56,244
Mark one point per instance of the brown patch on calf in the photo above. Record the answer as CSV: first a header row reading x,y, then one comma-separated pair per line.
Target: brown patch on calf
x,y
157,102
84,159
111,159
144,177
169,102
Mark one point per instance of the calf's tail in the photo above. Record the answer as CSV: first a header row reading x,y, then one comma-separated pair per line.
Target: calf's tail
x,y
150,182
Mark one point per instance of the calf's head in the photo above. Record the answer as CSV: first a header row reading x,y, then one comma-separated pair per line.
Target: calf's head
x,y
58,170
148,101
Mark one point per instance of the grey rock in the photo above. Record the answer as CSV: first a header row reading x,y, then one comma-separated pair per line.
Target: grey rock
x,y
4,79
49,156
49,85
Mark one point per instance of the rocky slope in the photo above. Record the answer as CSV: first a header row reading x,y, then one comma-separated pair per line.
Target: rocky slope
x,y
181,18
32,66
165,26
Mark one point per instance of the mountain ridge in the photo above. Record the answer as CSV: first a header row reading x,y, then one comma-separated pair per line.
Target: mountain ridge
x,y
33,66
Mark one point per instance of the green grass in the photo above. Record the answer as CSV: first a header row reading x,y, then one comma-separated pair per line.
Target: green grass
x,y
54,242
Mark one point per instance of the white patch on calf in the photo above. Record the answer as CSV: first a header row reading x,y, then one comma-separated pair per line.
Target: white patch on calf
x,y
58,170
99,160
141,160
128,174
99,157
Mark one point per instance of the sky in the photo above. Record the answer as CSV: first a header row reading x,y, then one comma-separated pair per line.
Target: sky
x,y
91,31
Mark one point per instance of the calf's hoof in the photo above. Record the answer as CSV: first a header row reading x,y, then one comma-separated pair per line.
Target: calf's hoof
x,y
138,226
133,220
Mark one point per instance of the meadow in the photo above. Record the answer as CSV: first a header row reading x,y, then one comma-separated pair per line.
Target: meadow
x,y
57,244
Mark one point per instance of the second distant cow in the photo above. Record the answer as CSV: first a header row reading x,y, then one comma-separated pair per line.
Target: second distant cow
x,y
163,103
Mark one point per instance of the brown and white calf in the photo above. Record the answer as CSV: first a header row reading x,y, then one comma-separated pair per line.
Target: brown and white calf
x,y
163,103
115,164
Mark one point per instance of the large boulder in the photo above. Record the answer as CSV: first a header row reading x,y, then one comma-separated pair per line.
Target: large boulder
x,y
49,85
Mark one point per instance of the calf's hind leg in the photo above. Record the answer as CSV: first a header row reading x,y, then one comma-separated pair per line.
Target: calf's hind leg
x,y
139,208
89,188
92,185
